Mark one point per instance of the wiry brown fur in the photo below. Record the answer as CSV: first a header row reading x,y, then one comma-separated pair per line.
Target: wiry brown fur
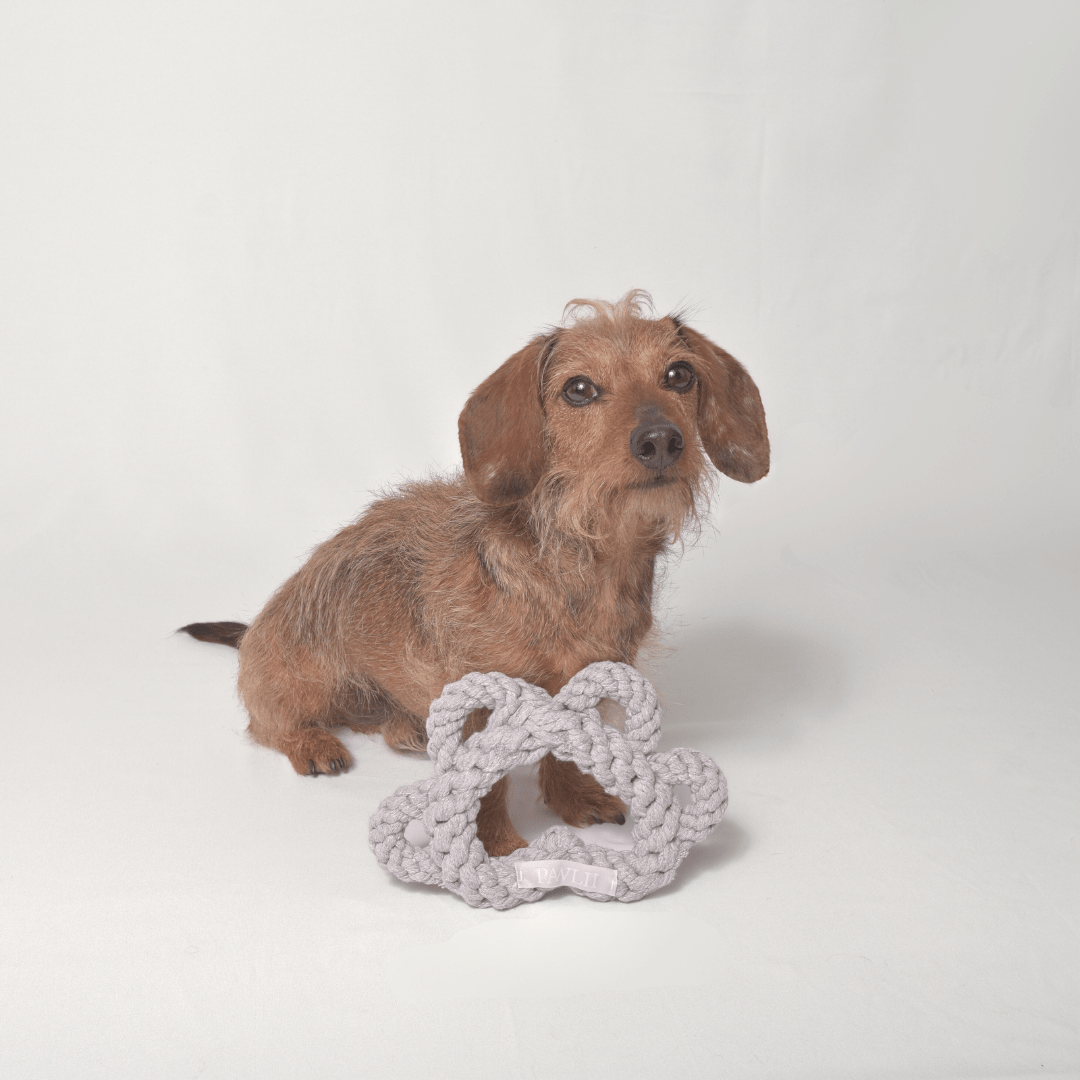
x,y
536,561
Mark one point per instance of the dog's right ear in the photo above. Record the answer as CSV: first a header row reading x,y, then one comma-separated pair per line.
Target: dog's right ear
x,y
501,428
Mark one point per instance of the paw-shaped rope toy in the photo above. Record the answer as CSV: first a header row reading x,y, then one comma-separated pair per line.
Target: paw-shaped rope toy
x,y
525,724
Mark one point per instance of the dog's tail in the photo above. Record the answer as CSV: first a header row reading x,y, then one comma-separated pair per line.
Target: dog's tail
x,y
220,633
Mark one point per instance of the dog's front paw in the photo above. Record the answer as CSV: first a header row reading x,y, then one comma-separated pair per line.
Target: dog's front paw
x,y
318,752
592,808
577,797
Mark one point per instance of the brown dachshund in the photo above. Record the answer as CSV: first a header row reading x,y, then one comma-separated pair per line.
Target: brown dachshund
x,y
585,455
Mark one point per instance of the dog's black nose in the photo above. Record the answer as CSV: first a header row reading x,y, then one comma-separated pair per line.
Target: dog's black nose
x,y
657,445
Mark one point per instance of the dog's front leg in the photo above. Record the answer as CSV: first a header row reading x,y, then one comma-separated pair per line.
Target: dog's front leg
x,y
493,825
575,796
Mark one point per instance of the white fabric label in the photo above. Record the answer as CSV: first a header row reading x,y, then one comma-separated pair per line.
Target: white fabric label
x,y
552,873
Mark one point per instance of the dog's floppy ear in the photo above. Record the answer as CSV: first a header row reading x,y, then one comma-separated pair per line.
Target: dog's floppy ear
x,y
731,419
501,429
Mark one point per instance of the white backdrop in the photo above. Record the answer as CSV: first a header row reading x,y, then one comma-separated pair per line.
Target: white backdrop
x,y
255,256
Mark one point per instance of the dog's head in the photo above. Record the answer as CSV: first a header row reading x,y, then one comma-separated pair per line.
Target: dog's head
x,y
617,412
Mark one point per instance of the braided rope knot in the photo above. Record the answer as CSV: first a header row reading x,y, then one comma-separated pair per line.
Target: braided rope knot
x,y
525,724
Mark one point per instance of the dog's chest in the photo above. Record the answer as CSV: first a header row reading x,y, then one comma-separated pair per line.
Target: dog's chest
x,y
611,604
601,610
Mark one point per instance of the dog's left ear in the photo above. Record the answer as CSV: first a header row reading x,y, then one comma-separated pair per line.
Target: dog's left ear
x,y
731,418
501,429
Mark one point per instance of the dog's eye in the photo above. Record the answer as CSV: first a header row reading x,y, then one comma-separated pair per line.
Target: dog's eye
x,y
679,377
580,391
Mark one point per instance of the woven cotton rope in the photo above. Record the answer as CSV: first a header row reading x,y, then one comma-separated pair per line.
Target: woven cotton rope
x,y
525,724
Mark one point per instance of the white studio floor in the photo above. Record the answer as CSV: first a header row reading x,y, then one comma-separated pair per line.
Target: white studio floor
x,y
892,893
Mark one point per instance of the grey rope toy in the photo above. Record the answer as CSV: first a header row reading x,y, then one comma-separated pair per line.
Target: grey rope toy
x,y
525,724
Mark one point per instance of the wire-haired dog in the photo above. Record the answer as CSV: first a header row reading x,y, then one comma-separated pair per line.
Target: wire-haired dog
x,y
585,455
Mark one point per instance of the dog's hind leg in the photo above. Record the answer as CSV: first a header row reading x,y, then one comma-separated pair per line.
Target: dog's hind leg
x,y
291,706
311,748
372,710
308,744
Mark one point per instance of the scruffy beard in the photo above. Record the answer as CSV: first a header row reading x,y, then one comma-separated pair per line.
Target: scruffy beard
x,y
592,515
